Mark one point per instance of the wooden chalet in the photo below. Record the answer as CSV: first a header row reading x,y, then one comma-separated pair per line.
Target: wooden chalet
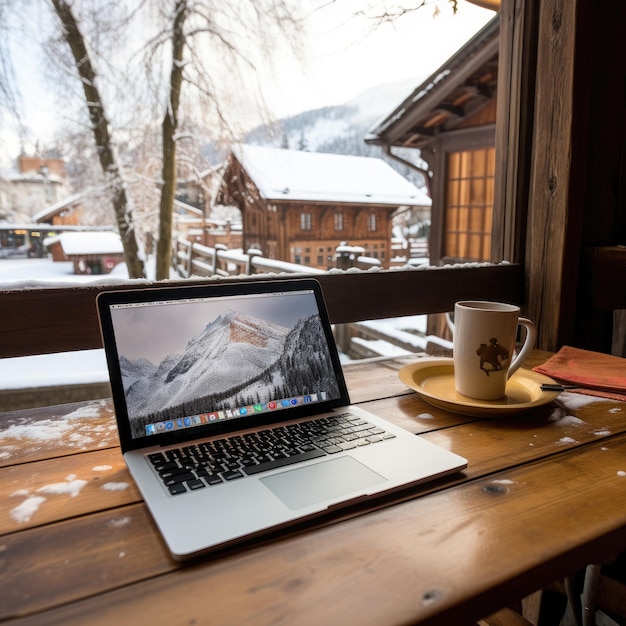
x,y
89,252
451,119
68,211
299,206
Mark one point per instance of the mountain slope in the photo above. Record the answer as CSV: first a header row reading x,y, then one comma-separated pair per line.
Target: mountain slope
x,y
235,361
233,346
341,129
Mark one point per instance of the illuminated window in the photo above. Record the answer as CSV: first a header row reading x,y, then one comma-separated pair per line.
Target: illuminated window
x,y
469,204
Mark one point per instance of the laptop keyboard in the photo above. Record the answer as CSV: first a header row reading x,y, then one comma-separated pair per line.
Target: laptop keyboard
x,y
201,465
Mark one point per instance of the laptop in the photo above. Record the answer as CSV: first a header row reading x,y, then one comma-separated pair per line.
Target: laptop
x,y
233,414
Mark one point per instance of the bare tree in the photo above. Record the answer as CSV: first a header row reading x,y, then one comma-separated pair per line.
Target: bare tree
x,y
213,45
213,49
168,131
102,135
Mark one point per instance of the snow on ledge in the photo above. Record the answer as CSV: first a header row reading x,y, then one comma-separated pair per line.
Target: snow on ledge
x,y
111,279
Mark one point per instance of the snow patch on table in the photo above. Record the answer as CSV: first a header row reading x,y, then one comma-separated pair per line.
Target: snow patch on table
x,y
115,486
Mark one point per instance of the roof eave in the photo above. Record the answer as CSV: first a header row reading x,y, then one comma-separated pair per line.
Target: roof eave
x,y
438,85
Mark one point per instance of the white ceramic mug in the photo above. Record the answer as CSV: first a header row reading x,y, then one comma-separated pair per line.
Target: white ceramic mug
x,y
484,342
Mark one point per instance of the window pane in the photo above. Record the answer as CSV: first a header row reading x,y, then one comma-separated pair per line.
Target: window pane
x,y
305,221
469,204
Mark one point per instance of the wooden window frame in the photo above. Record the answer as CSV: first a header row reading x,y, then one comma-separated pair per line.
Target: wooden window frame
x,y
371,223
474,138
306,221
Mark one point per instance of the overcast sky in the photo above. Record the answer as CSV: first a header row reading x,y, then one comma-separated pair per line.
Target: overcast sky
x,y
345,58
342,58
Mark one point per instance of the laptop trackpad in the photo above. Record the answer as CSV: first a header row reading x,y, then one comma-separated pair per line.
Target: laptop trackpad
x,y
305,486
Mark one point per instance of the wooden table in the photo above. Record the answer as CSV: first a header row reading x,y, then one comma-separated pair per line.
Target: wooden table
x,y
544,494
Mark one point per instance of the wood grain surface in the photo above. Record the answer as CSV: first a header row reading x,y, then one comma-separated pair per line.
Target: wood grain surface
x,y
544,494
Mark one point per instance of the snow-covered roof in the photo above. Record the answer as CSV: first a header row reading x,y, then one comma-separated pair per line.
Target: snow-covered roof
x,y
53,209
188,208
88,243
319,177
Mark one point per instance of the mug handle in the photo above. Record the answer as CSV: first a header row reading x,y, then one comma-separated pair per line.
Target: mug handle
x,y
529,342
449,322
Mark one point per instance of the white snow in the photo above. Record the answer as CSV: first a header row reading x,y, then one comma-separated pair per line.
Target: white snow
x,y
601,432
72,487
315,176
115,486
575,401
70,430
37,273
567,420
88,243
78,367
24,511
565,440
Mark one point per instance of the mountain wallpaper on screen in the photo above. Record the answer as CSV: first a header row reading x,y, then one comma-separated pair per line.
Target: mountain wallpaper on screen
x,y
237,360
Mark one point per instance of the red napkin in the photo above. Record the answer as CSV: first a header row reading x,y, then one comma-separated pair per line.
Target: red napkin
x,y
598,374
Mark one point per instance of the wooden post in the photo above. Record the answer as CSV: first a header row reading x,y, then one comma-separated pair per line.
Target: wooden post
x,y
252,252
218,247
555,197
190,260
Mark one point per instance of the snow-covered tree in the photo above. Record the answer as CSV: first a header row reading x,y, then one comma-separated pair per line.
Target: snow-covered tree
x,y
188,63
100,126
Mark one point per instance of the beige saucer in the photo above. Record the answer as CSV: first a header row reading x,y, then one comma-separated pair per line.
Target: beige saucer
x,y
433,380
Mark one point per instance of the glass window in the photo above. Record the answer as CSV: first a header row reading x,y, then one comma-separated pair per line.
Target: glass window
x,y
469,204
305,221
371,222
338,221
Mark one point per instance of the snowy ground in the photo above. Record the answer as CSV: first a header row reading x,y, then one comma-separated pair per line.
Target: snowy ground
x,y
18,273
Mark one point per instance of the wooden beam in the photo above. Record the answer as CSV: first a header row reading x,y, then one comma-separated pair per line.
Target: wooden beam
x,y
555,197
515,111
47,320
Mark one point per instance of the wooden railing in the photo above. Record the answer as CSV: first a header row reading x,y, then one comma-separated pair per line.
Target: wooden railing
x,y
194,259
59,319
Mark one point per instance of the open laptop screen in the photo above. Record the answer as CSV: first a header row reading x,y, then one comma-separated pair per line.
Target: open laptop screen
x,y
188,359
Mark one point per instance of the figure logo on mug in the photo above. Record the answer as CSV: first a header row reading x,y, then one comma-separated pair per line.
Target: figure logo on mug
x,y
493,356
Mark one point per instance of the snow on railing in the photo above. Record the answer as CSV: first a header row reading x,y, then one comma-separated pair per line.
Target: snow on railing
x,y
194,259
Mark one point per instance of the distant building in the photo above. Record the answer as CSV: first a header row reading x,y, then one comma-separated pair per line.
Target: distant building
x,y
90,252
36,182
451,119
68,211
299,206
